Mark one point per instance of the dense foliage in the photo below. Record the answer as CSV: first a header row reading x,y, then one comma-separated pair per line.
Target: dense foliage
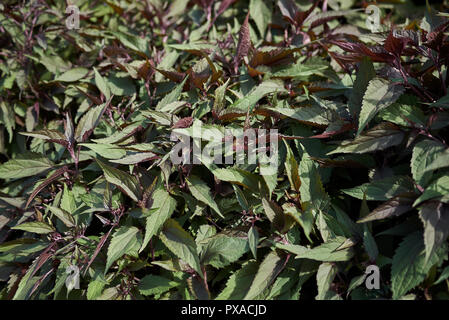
x,y
89,194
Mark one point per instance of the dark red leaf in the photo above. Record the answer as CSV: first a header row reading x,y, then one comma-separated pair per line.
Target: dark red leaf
x,y
244,43
183,123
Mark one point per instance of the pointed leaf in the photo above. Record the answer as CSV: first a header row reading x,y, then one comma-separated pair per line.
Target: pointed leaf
x,y
102,84
365,74
409,265
88,122
124,240
438,188
379,95
72,75
126,182
239,282
244,43
382,189
329,251
425,154
36,227
260,12
201,191
253,240
222,249
383,136
155,285
435,217
63,215
324,278
394,207
181,243
291,167
269,269
25,165
164,206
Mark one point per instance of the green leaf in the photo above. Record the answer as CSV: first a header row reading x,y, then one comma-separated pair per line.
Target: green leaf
x,y
7,117
201,191
88,122
135,158
317,18
173,96
16,244
126,182
120,135
164,206
243,202
68,202
290,281
102,84
46,134
205,231
63,215
274,213
121,85
383,136
249,101
370,244
155,285
435,218
223,249
438,188
329,227
404,115
260,12
253,240
409,265
72,75
107,151
444,275
311,189
181,243
220,94
177,8
302,70
241,177
35,227
291,168
313,114
324,278
365,74
441,103
198,46
94,289
305,219
441,160
239,282
131,41
355,282
269,269
329,251
124,241
25,165
424,155
109,294
27,283
379,95
382,189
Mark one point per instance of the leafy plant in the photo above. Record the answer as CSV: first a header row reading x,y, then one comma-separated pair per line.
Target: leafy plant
x,y
88,116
